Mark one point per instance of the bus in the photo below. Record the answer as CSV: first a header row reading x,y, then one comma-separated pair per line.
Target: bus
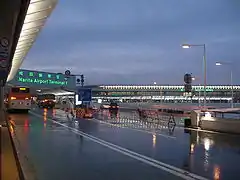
x,y
19,98
46,100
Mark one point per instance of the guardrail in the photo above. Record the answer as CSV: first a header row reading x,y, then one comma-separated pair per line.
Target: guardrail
x,y
134,116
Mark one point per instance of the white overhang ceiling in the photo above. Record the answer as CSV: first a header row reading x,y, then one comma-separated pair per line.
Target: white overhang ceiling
x,y
37,13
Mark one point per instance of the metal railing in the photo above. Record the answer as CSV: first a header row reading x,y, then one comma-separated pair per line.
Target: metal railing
x,y
135,120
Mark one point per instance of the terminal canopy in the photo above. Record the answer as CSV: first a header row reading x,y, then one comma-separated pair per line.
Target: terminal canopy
x,y
37,13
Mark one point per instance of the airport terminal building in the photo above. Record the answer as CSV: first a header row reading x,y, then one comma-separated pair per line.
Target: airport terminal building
x,y
166,93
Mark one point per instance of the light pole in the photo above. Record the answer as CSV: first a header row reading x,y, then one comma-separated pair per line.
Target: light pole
x,y
195,79
187,46
231,77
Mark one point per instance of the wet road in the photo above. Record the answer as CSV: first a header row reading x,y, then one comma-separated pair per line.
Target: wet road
x,y
90,149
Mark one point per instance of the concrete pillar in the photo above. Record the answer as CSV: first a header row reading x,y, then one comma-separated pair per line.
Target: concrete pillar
x,y
2,106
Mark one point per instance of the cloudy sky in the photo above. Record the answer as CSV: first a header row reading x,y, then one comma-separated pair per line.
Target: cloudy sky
x,y
138,41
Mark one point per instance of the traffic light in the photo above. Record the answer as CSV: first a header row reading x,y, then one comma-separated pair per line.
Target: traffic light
x,y
82,80
188,88
188,78
188,82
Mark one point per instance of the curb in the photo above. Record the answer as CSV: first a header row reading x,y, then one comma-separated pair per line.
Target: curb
x,y
20,171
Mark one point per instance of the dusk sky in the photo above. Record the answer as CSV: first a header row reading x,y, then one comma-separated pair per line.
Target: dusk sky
x,y
139,41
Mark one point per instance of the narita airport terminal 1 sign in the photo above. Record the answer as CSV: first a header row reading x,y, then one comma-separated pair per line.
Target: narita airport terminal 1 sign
x,y
35,78
42,81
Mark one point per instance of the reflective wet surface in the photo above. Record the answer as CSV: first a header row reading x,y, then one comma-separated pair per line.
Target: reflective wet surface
x,y
59,149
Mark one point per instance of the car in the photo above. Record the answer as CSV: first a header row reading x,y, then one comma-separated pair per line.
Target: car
x,y
46,103
113,106
104,106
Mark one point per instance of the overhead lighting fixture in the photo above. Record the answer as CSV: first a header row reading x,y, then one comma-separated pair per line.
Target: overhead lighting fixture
x,y
186,46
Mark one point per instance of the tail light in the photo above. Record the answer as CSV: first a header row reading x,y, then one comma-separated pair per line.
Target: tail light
x,y
26,98
12,98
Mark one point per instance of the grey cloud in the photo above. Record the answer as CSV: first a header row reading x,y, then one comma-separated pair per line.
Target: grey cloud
x,y
137,40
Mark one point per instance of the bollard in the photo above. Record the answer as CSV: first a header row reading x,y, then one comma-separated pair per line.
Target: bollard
x,y
187,122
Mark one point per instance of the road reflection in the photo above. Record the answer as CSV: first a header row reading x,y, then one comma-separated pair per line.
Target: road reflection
x,y
216,174
154,137
212,148
212,155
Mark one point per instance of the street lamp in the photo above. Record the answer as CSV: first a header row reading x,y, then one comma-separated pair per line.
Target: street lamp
x,y
187,46
194,78
231,77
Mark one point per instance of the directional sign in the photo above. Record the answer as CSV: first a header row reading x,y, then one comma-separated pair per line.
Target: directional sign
x,y
67,72
84,94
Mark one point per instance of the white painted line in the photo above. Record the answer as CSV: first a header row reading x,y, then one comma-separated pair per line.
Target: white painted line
x,y
206,131
140,130
152,162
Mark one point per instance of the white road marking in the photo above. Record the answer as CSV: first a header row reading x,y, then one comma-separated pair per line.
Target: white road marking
x,y
152,162
206,131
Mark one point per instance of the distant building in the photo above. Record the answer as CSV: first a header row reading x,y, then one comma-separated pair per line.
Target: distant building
x,y
165,93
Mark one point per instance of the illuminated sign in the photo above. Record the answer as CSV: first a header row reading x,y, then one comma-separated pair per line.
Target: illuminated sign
x,y
42,81
41,78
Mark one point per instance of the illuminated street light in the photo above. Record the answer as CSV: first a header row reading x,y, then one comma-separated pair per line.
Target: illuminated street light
x,y
231,78
187,46
218,64
155,83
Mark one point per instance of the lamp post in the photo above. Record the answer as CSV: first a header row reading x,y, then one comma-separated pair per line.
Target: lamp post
x,y
231,78
194,78
187,46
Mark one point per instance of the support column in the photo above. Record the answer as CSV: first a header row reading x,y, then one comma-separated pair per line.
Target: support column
x,y
2,106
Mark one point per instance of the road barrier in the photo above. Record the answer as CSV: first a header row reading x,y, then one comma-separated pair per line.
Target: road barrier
x,y
136,120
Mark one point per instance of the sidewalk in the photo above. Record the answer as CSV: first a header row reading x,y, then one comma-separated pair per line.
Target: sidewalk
x,y
9,169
